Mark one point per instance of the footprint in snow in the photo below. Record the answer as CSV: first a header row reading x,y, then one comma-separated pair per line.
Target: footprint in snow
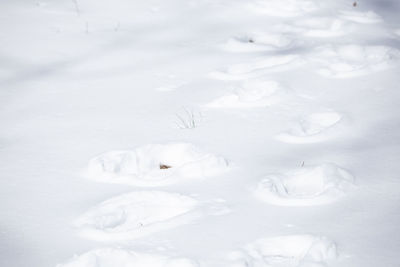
x,y
258,67
347,61
306,186
113,257
368,17
315,127
251,94
286,251
143,166
141,213
323,27
258,41
282,8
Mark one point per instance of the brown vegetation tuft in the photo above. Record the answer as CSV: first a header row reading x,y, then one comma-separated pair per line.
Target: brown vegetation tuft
x,y
163,167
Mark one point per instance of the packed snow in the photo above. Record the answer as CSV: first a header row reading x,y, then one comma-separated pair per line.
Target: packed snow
x,y
315,185
367,17
200,133
135,214
141,213
288,251
155,165
252,94
348,61
285,8
257,67
315,127
110,257
258,41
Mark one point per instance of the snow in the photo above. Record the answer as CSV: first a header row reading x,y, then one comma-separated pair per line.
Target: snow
x,y
315,127
251,94
348,61
286,8
140,213
199,133
108,257
257,67
324,27
315,185
134,214
258,41
291,250
143,166
368,17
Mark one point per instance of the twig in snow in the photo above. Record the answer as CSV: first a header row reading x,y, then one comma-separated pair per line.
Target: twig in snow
x,y
188,119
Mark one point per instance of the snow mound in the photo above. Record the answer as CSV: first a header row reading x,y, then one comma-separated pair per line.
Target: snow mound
x,y
286,251
324,27
306,186
155,165
258,41
252,94
368,17
348,61
112,257
136,214
257,67
282,8
313,128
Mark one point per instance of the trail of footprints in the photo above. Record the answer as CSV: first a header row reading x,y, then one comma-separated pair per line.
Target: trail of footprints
x,y
146,212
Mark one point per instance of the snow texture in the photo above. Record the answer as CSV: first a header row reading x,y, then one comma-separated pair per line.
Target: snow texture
x,y
112,257
258,67
368,17
315,127
285,8
171,133
347,61
258,41
306,186
141,213
287,251
251,94
144,165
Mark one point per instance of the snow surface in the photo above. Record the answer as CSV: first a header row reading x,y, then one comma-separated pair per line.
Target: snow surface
x,y
251,94
108,257
315,127
291,250
199,133
314,185
143,166
136,214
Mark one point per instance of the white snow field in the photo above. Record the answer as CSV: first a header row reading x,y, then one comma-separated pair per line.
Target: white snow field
x,y
290,250
314,185
199,133
136,214
257,67
258,41
315,127
143,166
251,94
354,60
109,257
285,8
368,17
